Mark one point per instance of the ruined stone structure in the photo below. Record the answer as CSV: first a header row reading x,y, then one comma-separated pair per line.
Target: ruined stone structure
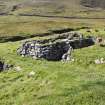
x,y
52,51
58,48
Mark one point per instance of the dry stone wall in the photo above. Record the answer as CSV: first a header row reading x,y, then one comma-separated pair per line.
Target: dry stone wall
x,y
52,51
56,49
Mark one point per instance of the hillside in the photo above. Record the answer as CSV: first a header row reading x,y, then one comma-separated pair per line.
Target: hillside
x,y
31,81
46,15
94,3
55,7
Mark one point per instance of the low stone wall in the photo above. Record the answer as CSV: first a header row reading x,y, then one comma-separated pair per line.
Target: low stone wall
x,y
55,49
52,51
85,42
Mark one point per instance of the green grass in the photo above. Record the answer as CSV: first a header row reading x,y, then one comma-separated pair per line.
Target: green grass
x,y
55,83
17,26
14,25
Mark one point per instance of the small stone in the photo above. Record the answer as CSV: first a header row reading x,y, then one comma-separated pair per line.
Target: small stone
x,y
18,68
23,56
68,58
34,57
102,44
99,40
97,61
102,60
31,74
32,44
72,60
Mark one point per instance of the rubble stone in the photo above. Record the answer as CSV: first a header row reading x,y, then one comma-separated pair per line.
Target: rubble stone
x,y
4,66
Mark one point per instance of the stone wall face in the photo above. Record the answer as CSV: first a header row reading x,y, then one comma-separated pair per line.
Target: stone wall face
x,y
51,51
55,49
81,43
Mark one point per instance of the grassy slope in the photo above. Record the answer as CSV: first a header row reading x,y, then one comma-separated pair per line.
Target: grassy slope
x,y
94,3
11,26
78,83
54,7
14,25
55,83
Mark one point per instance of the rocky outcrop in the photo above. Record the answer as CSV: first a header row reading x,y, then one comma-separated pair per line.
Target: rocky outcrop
x,y
55,49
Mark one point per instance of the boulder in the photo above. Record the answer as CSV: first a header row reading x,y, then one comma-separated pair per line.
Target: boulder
x,y
1,65
4,66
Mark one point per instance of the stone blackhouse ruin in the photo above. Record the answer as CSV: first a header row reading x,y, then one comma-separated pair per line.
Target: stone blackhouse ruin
x,y
56,48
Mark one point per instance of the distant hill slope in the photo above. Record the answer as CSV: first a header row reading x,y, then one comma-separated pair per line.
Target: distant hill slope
x,y
93,3
53,7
